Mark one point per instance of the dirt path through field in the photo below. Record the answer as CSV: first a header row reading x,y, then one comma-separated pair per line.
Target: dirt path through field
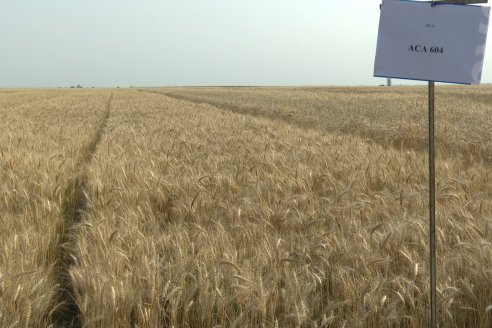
x,y
67,312
403,135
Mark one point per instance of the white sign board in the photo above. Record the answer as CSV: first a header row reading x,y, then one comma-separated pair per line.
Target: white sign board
x,y
442,43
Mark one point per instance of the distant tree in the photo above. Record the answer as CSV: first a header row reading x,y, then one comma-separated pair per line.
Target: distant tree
x,y
388,82
79,86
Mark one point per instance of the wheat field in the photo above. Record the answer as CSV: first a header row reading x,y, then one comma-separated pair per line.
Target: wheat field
x,y
243,207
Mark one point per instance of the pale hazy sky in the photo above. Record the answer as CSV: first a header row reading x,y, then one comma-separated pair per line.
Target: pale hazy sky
x,y
190,42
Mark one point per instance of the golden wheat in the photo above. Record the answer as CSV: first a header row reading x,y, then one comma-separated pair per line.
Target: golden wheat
x,y
41,136
261,207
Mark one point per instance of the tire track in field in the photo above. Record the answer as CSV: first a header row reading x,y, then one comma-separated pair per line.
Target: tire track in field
x,y
397,141
257,112
66,312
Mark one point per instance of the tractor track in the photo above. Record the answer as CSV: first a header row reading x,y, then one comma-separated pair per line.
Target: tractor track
x,y
66,312
372,136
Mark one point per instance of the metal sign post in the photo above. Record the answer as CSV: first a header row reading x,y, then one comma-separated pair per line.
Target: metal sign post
x,y
432,188
432,210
